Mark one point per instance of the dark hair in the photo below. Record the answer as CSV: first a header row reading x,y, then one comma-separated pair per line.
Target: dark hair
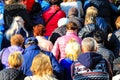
x,y
99,36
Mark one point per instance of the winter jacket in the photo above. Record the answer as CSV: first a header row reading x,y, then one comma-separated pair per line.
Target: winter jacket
x,y
7,51
31,52
106,53
58,32
11,74
115,42
52,24
87,31
89,62
59,46
66,63
16,9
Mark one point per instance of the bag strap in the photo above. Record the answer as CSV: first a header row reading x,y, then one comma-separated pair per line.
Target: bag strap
x,y
51,17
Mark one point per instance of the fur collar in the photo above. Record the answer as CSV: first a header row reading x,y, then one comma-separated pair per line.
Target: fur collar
x,y
14,6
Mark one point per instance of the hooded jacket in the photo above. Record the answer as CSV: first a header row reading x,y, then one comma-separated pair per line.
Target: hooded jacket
x,y
89,62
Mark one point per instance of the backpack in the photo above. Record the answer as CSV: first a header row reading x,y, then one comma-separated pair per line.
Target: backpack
x,y
80,72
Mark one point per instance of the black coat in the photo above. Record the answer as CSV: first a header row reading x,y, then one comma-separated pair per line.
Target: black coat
x,y
11,74
16,9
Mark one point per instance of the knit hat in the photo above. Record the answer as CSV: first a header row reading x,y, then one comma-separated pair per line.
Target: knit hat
x,y
31,40
63,22
73,11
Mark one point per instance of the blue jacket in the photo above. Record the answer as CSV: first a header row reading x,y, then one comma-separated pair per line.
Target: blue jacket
x,y
31,52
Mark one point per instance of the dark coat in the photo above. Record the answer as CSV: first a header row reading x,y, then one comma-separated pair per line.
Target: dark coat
x,y
11,74
87,31
13,10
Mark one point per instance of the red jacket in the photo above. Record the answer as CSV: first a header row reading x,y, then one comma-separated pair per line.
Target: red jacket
x,y
52,24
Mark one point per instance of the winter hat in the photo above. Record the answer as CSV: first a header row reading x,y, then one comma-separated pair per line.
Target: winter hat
x,y
31,40
73,11
63,22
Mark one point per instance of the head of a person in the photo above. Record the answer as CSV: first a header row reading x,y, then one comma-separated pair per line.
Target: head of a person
x,y
30,41
15,59
99,36
91,14
10,1
17,40
72,26
73,11
41,65
63,22
72,49
117,22
55,2
38,30
89,44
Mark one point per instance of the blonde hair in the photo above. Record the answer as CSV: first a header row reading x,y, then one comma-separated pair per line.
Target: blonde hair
x,y
117,22
17,24
72,49
91,14
41,65
17,39
15,59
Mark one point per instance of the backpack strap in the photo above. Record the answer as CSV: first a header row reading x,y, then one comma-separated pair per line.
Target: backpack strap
x,y
51,17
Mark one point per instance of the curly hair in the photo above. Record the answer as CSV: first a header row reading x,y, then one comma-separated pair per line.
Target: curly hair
x,y
38,30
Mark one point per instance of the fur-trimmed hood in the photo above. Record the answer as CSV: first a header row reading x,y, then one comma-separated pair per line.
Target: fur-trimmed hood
x,y
14,6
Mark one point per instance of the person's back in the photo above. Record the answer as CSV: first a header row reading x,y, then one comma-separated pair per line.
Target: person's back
x,y
89,64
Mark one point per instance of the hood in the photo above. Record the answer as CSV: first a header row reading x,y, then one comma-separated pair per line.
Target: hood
x,y
14,6
89,59
15,48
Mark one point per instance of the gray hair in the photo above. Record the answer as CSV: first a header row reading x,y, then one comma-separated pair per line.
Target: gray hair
x,y
89,44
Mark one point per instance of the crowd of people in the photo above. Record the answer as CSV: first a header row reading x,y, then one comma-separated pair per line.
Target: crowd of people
x,y
59,39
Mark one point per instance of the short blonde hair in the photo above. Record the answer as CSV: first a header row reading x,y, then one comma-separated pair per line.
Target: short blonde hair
x,y
15,59
41,65
17,39
72,49
117,22
91,14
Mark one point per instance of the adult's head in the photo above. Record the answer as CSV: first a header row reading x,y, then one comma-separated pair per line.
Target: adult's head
x,y
71,26
99,36
69,0
41,65
91,14
15,59
89,45
17,40
11,1
73,11
30,41
117,22
72,49
38,30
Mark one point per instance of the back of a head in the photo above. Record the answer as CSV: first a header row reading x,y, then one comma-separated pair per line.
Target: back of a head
x,y
72,49
69,0
11,1
117,22
30,41
91,14
38,30
17,40
99,36
41,65
73,11
15,59
72,26
89,44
